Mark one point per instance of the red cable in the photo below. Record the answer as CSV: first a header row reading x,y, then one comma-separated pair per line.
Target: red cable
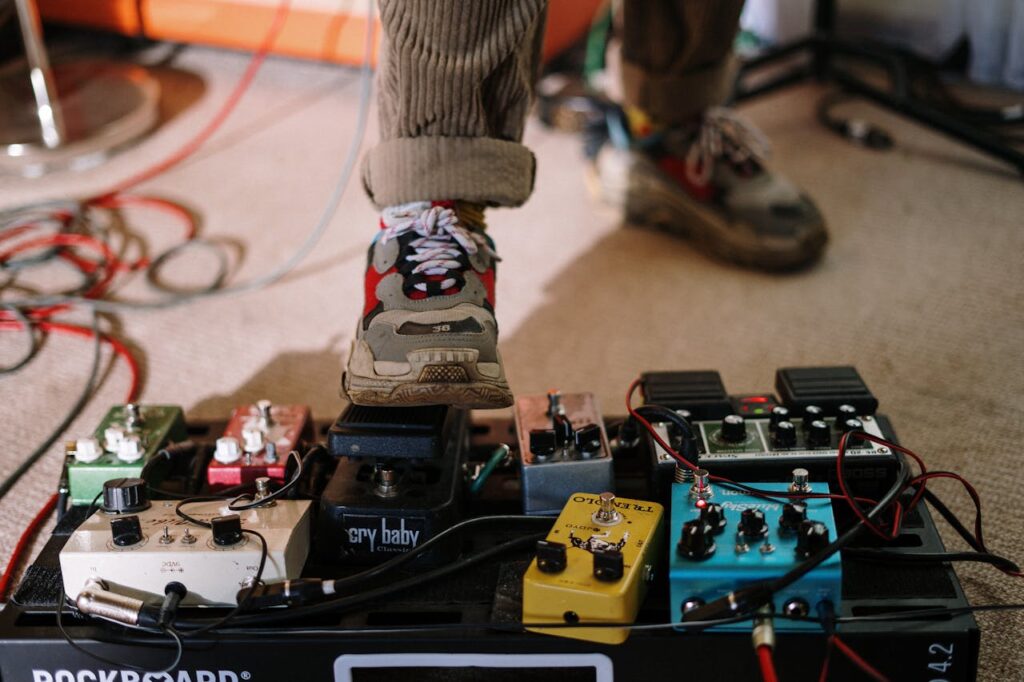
x,y
23,544
823,676
764,658
857,660
73,330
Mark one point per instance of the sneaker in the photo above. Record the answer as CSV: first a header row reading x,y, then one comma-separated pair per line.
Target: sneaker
x,y
708,183
428,335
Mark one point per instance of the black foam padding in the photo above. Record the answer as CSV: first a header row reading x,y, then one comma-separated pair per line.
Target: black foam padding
x,y
389,432
826,387
40,586
701,393
863,580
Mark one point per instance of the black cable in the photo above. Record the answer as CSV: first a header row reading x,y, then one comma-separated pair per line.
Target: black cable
x,y
893,557
31,348
350,601
283,490
70,416
688,437
938,505
928,614
180,648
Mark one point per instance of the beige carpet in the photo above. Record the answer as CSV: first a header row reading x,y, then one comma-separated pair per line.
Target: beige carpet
x,y
921,289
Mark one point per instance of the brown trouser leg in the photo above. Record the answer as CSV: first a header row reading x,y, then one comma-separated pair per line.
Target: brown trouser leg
x,y
455,84
677,56
456,81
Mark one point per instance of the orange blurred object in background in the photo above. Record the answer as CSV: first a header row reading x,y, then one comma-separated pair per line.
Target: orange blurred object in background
x,y
315,29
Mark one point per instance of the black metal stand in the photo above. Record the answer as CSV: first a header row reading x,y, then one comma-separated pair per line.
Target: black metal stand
x,y
822,48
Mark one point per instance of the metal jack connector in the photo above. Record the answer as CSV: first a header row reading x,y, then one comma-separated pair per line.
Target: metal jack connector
x,y
96,599
763,634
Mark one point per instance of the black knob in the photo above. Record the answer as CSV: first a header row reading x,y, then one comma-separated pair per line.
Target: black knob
x,y
819,434
752,524
811,538
779,414
542,442
712,516
734,429
608,565
850,424
784,435
551,556
125,496
588,439
812,412
126,530
696,541
227,530
844,412
793,514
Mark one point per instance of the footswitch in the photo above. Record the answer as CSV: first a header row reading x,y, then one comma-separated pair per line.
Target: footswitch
x,y
594,567
731,538
256,443
563,447
138,553
125,440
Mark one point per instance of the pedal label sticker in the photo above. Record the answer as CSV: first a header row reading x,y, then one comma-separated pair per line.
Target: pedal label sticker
x,y
377,534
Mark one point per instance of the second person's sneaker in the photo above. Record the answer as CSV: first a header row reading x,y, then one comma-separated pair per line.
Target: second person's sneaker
x,y
427,335
708,183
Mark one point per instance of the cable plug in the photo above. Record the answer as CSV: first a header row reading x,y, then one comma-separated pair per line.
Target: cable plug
x,y
763,634
737,603
174,592
285,593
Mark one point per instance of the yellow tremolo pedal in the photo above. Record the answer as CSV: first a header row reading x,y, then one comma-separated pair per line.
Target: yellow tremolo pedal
x,y
594,566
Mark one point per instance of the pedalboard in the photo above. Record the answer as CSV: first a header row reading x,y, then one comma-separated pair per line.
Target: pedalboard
x,y
125,440
256,443
138,547
563,449
725,538
633,549
594,567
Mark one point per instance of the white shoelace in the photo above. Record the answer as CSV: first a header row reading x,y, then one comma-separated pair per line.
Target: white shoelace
x,y
442,239
721,124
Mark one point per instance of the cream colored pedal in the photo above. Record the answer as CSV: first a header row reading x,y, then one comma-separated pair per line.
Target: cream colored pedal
x,y
594,567
137,554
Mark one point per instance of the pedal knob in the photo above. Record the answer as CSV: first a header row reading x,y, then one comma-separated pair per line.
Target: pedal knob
x,y
812,413
784,435
228,450
711,515
588,440
779,414
130,448
696,541
850,424
845,411
793,514
811,538
752,524
819,434
542,442
87,450
126,530
551,556
608,566
253,438
734,428
125,496
227,530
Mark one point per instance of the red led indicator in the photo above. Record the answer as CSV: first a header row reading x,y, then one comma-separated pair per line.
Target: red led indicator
x,y
700,504
756,399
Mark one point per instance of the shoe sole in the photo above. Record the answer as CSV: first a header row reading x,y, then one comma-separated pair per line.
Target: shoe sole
x,y
658,204
437,376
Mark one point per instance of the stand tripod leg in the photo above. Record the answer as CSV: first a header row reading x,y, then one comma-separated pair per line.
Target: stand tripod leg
x,y
48,110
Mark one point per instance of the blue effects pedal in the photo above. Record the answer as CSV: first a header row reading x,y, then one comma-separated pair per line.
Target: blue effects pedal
x,y
723,538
